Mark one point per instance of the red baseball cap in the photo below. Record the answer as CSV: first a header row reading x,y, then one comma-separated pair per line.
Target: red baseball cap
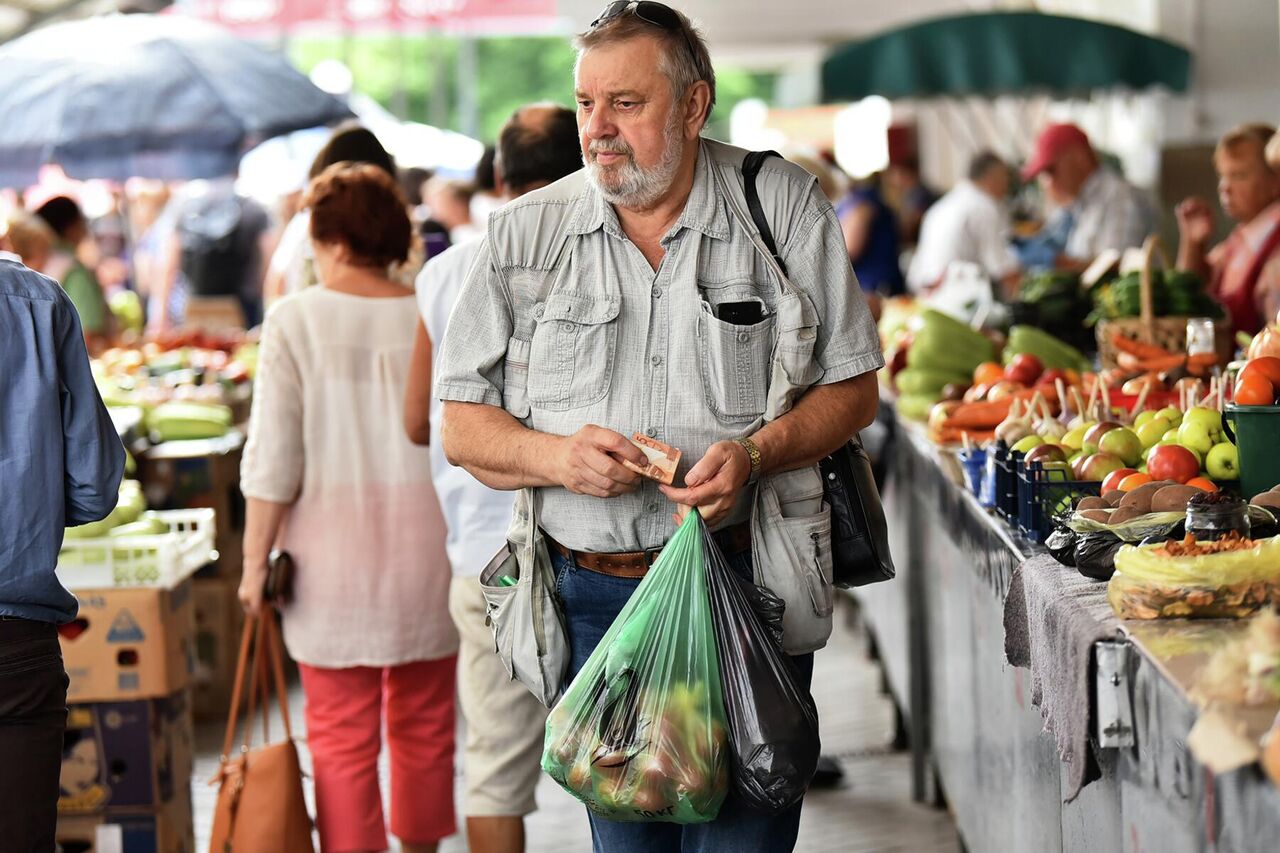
x,y
1052,142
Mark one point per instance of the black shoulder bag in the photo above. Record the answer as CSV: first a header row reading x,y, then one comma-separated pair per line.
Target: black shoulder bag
x,y
859,535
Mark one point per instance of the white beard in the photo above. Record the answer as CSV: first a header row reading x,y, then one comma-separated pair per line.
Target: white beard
x,y
629,185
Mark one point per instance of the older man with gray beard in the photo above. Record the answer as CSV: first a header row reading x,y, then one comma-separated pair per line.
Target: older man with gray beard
x,y
630,297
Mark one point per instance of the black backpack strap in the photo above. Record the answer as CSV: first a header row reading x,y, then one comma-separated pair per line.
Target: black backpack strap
x,y
750,168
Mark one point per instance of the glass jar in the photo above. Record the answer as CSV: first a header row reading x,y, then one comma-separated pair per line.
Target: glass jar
x,y
1213,515
1201,336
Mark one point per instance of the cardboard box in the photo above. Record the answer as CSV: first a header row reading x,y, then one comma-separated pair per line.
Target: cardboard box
x,y
219,619
130,756
189,474
129,643
169,829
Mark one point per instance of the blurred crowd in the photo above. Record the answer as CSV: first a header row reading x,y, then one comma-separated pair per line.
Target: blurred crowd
x,y
149,257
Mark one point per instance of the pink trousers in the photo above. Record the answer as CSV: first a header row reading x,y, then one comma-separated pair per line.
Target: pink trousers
x,y
345,712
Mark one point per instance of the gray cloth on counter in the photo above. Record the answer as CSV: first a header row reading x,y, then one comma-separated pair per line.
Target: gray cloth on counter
x,y
1052,617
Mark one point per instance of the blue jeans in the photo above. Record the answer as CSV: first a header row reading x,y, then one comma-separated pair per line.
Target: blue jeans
x,y
591,602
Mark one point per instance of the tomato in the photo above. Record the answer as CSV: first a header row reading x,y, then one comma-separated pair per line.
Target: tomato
x,y
1254,389
1267,365
988,373
1128,484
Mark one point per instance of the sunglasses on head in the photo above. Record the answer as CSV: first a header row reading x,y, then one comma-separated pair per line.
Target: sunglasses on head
x,y
649,11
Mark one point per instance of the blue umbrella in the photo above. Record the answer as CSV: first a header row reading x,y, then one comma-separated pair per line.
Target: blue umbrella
x,y
145,96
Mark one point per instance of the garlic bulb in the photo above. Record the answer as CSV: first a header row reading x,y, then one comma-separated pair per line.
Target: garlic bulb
x,y
1017,424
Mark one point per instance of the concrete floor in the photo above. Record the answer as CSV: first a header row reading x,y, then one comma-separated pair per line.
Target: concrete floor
x,y
871,812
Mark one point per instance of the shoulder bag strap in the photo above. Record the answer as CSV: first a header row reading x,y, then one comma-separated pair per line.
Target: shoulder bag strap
x,y
761,231
750,168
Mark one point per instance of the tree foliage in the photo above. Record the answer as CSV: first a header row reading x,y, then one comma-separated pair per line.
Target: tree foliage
x,y
416,76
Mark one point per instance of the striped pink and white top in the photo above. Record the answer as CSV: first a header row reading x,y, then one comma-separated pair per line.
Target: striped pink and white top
x,y
365,529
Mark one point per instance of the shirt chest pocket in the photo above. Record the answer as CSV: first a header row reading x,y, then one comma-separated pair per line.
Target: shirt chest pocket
x,y
572,352
735,362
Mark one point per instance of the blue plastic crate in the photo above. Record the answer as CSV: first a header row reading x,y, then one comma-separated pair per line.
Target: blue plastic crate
x,y
1045,494
1005,495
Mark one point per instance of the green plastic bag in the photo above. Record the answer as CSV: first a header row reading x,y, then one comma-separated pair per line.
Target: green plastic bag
x,y
640,734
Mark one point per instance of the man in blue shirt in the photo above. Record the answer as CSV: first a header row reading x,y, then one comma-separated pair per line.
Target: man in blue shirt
x,y
60,465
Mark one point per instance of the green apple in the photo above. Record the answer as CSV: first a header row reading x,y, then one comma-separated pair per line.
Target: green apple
x,y
1122,443
1153,430
1196,434
1172,414
1074,437
1144,417
1210,419
1223,462
1142,469
1026,443
1074,458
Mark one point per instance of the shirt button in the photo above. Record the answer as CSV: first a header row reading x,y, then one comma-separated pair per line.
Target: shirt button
x,y
652,432
656,360
742,337
657,293
653,507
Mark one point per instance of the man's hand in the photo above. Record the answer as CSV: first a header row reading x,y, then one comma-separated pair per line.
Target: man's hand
x,y
714,483
1195,220
589,463
252,586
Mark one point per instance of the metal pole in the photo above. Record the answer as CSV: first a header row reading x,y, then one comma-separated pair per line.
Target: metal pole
x,y
439,107
468,106
400,98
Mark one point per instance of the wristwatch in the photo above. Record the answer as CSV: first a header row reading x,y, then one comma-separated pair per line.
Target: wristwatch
x,y
753,453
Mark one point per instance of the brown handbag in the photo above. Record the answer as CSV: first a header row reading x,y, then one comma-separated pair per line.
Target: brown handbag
x,y
260,806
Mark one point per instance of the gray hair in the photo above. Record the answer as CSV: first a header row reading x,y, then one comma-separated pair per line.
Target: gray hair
x,y
685,57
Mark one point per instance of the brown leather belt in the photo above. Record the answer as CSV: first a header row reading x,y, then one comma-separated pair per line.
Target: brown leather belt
x,y
635,564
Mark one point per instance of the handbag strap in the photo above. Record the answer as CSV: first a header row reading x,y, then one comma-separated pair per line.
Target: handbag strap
x,y
237,691
260,640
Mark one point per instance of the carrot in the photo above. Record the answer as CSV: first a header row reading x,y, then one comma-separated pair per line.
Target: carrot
x,y
1141,349
1150,365
957,436
986,414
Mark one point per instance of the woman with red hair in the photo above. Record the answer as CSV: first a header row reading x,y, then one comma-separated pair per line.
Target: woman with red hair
x,y
331,477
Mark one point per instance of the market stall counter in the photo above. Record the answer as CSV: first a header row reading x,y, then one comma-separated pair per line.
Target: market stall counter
x,y
1086,743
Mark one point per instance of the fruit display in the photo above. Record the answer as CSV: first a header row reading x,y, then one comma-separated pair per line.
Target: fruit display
x,y
151,375
1226,578
940,352
1173,293
1054,300
1051,352
179,420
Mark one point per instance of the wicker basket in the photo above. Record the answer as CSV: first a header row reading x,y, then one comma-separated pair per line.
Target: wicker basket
x,y
1167,332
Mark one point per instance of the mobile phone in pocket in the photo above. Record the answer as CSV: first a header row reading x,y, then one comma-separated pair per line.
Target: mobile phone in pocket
x,y
740,313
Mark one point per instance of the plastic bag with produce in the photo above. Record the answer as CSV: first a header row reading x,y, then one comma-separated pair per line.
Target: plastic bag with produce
x,y
773,723
640,734
1227,578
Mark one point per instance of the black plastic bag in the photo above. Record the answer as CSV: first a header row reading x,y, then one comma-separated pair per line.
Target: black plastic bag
x,y
1061,544
1095,554
773,722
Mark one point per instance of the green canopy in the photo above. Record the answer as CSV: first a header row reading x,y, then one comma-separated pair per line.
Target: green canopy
x,y
1003,53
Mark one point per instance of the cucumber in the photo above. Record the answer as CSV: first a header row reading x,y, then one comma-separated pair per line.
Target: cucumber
x,y
919,380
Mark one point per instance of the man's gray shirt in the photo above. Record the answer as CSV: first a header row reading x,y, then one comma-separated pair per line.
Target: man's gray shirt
x,y
563,323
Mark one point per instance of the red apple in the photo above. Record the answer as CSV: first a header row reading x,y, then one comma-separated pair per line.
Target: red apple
x,y
1002,389
1098,466
1172,462
1112,481
1094,436
1024,368
1050,376
1045,453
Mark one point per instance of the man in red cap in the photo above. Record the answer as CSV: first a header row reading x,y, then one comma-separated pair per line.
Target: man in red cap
x,y
1097,209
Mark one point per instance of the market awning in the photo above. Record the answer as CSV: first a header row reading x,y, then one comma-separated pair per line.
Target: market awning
x,y
1003,53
